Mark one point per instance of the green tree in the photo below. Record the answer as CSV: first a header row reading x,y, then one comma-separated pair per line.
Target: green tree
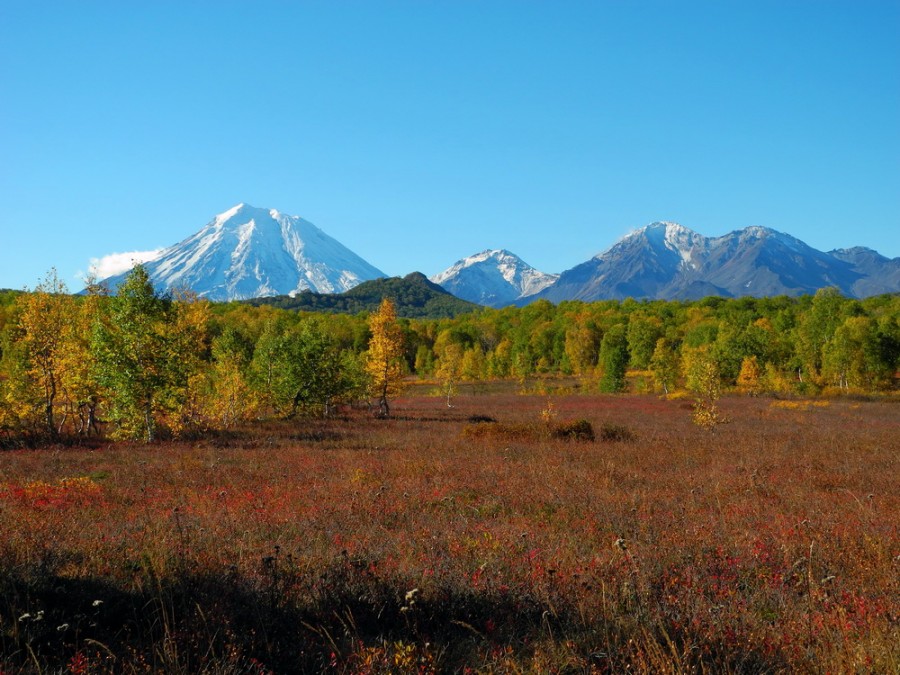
x,y
424,361
321,371
664,365
816,327
270,370
853,356
613,359
473,364
643,333
298,368
133,355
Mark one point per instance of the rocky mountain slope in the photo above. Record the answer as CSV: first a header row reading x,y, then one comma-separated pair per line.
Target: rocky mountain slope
x,y
669,261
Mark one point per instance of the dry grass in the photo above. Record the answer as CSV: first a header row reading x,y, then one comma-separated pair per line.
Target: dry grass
x,y
406,545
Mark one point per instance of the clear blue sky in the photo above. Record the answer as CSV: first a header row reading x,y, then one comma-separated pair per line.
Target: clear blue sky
x,y
417,133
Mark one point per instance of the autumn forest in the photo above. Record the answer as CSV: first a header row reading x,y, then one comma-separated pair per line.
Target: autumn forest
x,y
134,364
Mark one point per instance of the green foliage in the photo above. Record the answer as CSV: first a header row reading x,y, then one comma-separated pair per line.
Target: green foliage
x,y
414,296
298,369
134,360
816,328
143,362
614,359
664,366
643,333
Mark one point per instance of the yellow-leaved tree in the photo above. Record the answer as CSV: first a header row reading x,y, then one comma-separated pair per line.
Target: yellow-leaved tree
x,y
384,360
704,381
450,360
748,380
81,388
187,340
45,314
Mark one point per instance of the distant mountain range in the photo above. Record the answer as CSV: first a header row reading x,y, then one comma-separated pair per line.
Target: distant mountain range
x,y
668,261
247,253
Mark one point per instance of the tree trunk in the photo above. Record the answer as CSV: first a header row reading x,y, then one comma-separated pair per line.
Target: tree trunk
x,y
148,422
49,396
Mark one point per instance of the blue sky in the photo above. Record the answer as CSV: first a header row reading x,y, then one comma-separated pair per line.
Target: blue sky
x,y
417,133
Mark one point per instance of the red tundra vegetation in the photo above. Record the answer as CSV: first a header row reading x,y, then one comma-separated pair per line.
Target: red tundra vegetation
x,y
419,544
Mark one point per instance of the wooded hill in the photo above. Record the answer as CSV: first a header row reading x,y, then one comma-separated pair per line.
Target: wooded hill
x,y
414,296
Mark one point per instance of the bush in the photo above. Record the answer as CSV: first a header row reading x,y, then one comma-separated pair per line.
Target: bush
x,y
616,433
576,430
481,419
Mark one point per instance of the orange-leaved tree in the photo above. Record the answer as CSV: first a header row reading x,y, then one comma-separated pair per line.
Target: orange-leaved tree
x,y
384,361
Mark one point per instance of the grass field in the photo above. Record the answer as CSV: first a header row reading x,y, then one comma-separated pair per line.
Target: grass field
x,y
432,543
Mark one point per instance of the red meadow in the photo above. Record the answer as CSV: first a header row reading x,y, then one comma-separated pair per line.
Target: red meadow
x,y
465,539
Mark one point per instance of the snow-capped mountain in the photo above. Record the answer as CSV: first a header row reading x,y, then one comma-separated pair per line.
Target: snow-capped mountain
x,y
494,278
247,252
669,261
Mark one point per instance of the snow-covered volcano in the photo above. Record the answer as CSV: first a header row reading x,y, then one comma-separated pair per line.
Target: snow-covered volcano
x,y
494,278
247,252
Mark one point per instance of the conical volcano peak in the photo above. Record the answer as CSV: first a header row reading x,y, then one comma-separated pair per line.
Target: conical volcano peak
x,y
248,252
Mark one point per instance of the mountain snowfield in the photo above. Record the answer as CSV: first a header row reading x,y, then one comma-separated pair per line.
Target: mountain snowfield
x,y
247,252
494,278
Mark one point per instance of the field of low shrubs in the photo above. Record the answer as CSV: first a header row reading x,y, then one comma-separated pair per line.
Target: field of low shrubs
x,y
509,533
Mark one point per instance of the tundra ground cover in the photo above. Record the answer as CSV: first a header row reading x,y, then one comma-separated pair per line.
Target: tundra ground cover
x,y
356,545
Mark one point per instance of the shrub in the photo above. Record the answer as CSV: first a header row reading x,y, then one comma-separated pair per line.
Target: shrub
x,y
481,419
616,433
576,430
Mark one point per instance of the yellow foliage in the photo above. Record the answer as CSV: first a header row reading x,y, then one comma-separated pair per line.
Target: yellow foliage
x,y
800,405
748,380
384,363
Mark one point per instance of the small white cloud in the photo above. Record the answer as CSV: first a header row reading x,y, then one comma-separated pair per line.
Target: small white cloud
x,y
116,263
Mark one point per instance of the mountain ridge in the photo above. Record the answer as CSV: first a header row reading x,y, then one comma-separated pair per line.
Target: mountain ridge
x,y
668,261
247,252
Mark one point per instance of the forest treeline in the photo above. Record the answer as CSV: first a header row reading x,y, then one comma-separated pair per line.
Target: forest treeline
x,y
138,364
